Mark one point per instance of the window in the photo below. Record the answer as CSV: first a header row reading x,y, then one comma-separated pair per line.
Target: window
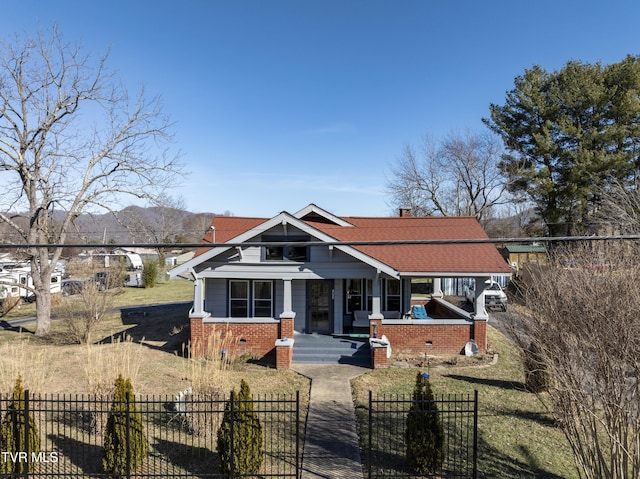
x,y
239,299
290,252
354,295
250,299
392,299
262,299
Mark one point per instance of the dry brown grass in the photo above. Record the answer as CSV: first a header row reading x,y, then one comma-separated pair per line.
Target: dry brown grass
x,y
146,344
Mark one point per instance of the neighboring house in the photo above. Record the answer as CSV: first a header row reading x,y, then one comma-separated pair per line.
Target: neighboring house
x,y
313,272
517,255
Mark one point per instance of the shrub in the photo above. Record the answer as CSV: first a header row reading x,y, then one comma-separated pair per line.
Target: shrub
x,y
149,274
424,434
240,442
115,458
12,432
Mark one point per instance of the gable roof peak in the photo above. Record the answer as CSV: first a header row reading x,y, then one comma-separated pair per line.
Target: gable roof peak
x,y
312,212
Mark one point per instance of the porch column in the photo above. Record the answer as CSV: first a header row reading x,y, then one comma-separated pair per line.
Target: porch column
x,y
376,310
198,298
479,309
437,288
287,300
287,317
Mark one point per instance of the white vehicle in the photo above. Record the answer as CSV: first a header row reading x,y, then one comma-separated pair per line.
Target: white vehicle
x,y
494,296
130,261
18,283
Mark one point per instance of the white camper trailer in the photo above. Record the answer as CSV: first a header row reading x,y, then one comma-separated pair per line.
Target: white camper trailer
x,y
16,282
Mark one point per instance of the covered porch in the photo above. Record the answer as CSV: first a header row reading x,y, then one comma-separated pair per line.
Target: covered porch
x,y
259,312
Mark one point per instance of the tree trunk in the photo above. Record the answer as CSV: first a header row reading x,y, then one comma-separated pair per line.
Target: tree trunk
x,y
43,310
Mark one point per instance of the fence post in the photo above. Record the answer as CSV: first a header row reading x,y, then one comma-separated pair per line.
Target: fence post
x,y
26,431
232,426
298,434
475,434
128,435
370,433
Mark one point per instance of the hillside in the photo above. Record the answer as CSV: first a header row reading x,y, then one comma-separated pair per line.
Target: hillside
x,y
132,224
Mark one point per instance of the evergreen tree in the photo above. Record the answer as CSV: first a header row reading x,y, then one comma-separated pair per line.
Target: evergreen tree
x,y
12,432
240,442
569,135
424,434
149,274
115,457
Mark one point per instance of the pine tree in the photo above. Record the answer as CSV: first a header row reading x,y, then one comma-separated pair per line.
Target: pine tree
x,y
12,431
149,274
240,442
115,457
424,434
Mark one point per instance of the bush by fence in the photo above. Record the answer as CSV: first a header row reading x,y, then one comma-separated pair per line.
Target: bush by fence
x,y
383,435
71,431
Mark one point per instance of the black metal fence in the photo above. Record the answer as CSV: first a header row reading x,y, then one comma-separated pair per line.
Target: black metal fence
x,y
181,433
385,449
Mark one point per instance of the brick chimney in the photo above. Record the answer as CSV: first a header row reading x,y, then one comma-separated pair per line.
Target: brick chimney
x,y
405,212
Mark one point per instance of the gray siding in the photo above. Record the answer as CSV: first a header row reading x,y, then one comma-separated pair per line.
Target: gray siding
x,y
216,297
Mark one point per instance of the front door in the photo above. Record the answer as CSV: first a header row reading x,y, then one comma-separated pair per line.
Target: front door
x,y
319,306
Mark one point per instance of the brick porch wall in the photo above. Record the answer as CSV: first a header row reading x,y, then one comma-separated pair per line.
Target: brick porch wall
x,y
444,336
255,338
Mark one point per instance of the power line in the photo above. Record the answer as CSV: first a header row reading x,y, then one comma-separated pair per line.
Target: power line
x,y
542,239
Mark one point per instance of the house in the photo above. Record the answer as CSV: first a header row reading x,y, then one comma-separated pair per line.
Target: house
x,y
311,272
517,255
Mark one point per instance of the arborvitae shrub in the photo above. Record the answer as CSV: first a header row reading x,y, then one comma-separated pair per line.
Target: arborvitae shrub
x,y
424,434
114,460
536,375
149,274
12,431
243,455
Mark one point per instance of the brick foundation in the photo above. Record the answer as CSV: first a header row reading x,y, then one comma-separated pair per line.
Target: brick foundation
x,y
253,337
379,358
433,337
256,339
284,354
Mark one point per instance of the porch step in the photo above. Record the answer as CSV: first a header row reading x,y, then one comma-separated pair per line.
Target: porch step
x,y
326,349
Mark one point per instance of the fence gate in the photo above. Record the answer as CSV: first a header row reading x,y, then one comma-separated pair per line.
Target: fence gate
x,y
386,450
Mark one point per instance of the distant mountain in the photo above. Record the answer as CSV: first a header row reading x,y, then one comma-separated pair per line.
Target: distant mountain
x,y
135,224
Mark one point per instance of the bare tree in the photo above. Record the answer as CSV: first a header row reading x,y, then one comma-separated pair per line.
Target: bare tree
x,y
619,212
584,329
455,177
83,312
71,141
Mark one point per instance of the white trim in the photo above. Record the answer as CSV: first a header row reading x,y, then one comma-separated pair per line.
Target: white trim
x,y
448,274
311,208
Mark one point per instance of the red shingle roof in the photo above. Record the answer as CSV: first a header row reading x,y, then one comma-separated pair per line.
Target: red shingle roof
x,y
441,258
437,258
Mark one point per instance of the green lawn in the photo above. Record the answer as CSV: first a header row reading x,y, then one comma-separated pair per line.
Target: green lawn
x,y
516,436
169,291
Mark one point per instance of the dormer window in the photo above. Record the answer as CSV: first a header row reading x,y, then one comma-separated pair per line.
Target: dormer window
x,y
289,252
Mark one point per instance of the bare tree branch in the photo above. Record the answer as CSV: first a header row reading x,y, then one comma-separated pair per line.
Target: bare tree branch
x,y
71,141
455,177
585,327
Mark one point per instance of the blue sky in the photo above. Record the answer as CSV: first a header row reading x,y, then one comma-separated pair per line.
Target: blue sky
x,y
281,103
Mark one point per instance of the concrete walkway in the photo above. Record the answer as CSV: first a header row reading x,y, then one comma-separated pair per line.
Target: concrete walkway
x,y
331,449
